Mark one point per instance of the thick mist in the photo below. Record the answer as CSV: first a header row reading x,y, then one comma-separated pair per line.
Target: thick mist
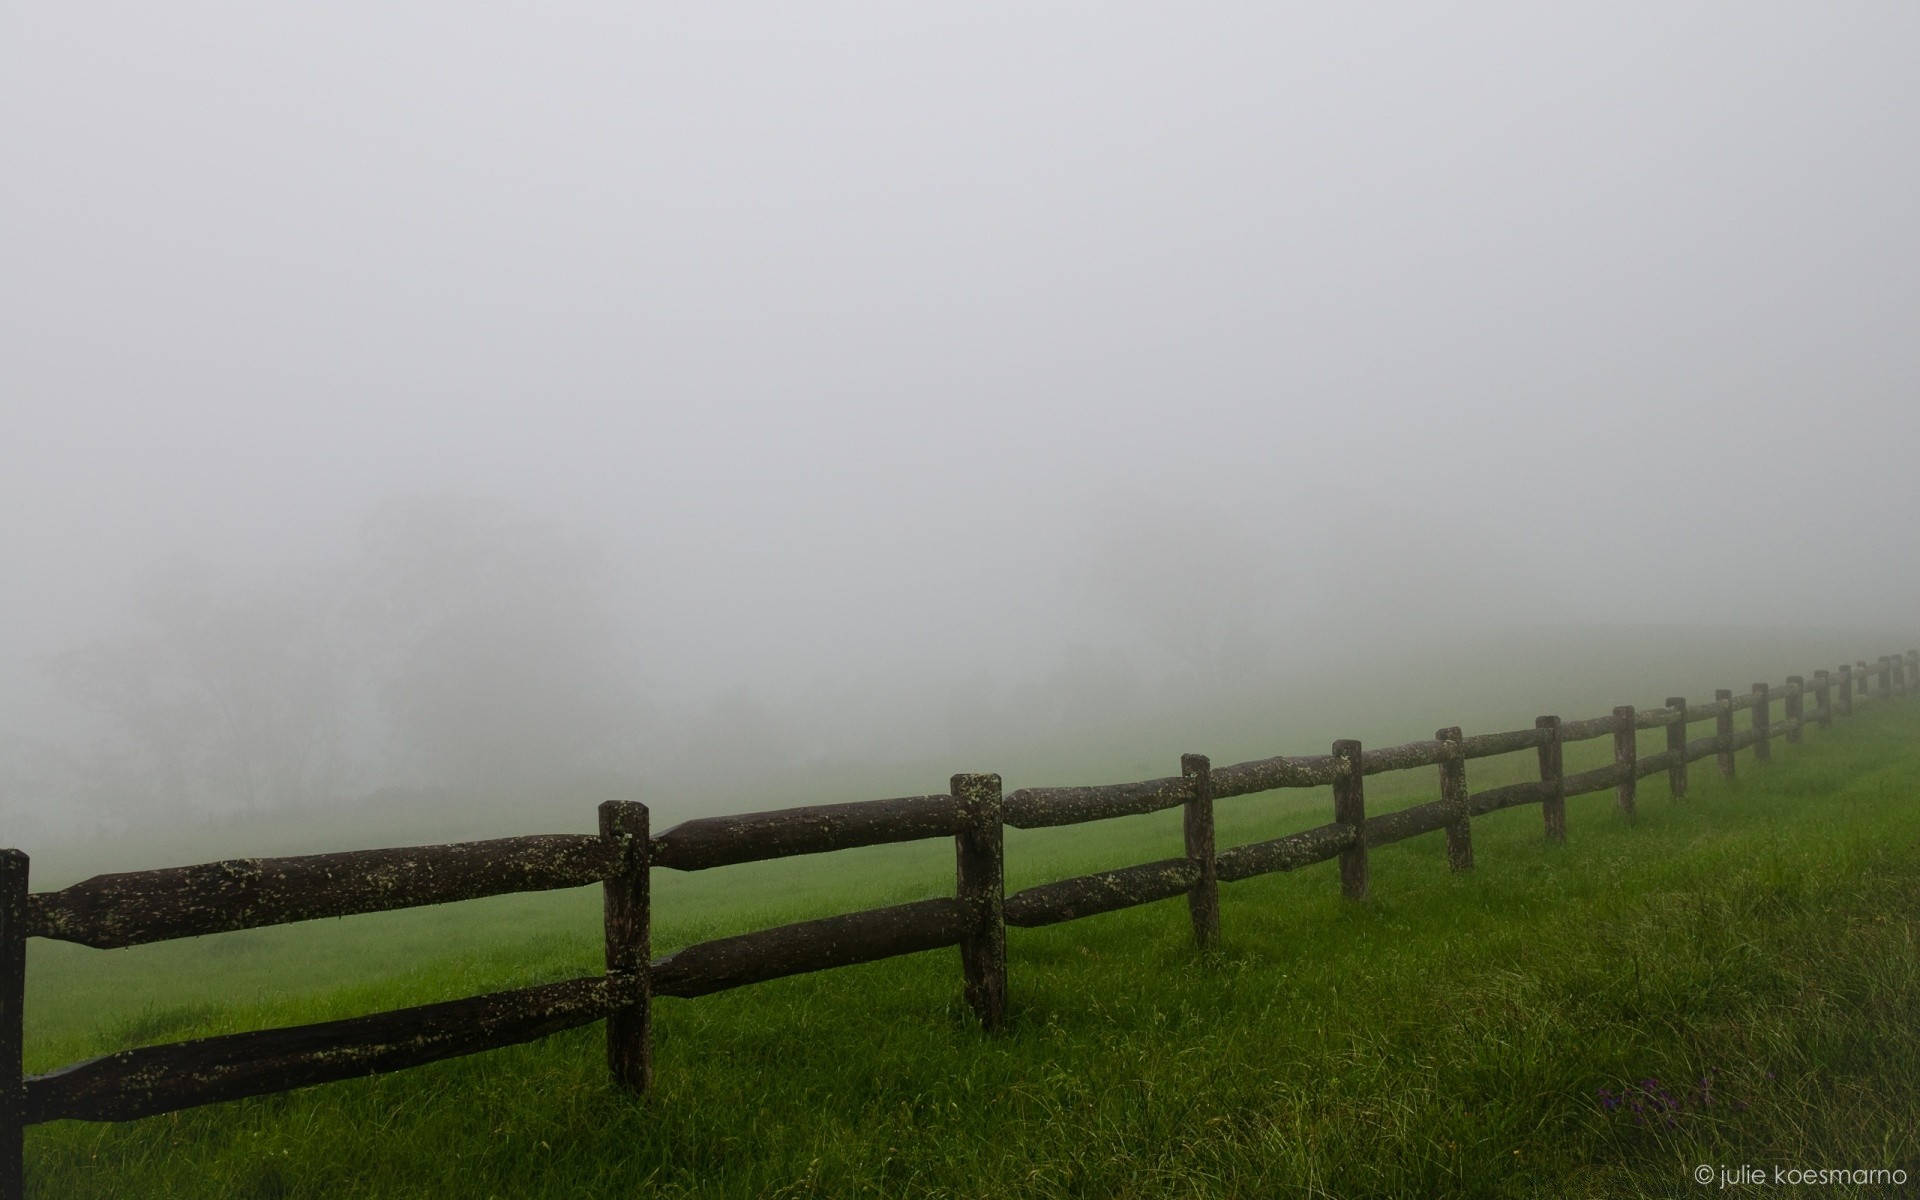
x,y
403,405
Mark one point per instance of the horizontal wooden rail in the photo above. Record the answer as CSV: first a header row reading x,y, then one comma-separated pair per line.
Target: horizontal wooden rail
x,y
1281,771
1592,727
1107,891
1035,808
159,1079
1654,718
811,946
1384,829
111,911
1287,853
1597,779
1653,764
753,837
1485,745
1479,804
1405,757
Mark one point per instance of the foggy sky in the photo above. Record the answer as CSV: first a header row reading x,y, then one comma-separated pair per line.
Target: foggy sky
x,y
864,341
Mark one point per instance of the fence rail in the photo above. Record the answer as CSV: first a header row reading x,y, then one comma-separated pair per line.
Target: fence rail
x,y
133,908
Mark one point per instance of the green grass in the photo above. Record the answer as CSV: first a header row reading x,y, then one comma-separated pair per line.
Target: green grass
x,y
1449,1037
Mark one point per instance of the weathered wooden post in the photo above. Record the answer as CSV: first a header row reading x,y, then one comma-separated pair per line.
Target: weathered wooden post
x,y
629,933
1350,808
1204,900
980,885
1723,729
1553,773
1453,792
1626,756
1823,696
1846,690
1677,745
1886,680
1796,691
13,998
1860,673
1761,722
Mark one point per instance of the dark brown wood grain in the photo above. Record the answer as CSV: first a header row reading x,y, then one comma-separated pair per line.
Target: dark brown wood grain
x,y
1553,806
1282,771
157,1079
808,946
980,887
1485,745
627,925
1036,808
1103,891
1723,724
1653,764
1625,753
1288,853
1384,829
1655,718
1453,792
1596,780
110,911
1677,745
1203,901
815,829
1512,795
13,999
1402,757
1350,808
1592,727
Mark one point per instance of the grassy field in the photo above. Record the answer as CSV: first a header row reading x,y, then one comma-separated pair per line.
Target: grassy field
x,y
1733,979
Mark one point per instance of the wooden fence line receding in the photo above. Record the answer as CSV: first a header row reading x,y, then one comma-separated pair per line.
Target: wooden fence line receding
x,y
109,911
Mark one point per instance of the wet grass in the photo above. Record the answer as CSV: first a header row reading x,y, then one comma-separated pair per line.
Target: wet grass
x,y
1731,979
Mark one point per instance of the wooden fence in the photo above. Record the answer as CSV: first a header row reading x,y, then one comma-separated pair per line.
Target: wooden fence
x,y
110,911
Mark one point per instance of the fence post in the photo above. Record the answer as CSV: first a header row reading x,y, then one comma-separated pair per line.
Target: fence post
x,y
1796,692
1723,728
1860,673
629,933
1552,771
1626,756
1453,791
1913,668
13,996
1204,900
1677,742
1823,696
1350,808
980,885
1886,680
1846,690
1762,752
